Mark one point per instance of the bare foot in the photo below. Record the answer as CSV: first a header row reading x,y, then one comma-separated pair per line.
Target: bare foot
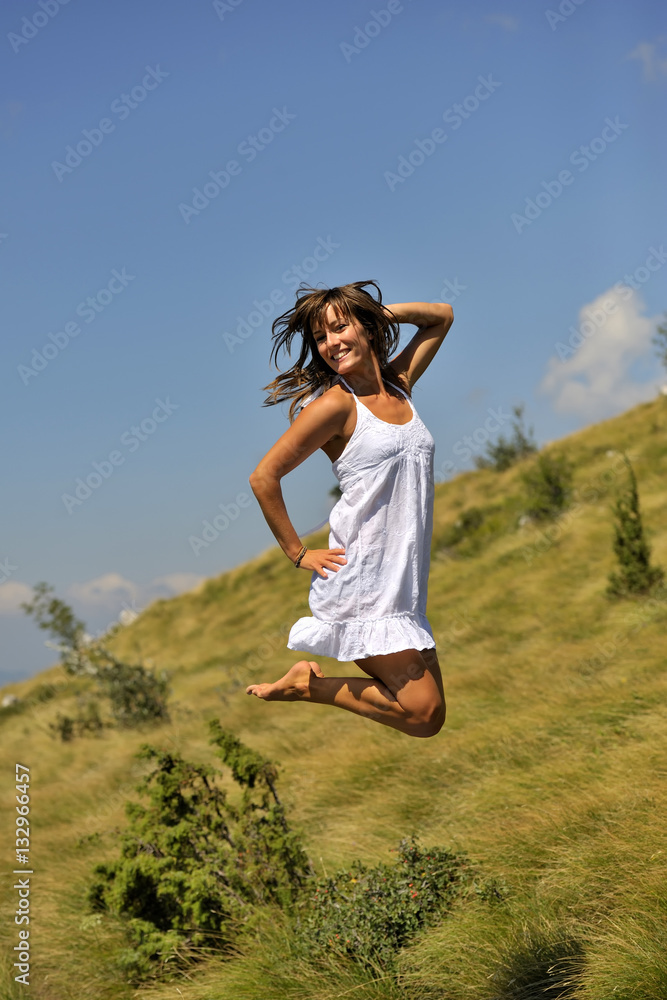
x,y
294,686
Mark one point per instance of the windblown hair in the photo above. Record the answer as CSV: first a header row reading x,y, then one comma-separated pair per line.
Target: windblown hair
x,y
311,372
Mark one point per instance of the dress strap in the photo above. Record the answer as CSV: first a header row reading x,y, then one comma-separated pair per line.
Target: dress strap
x,y
400,390
384,380
349,386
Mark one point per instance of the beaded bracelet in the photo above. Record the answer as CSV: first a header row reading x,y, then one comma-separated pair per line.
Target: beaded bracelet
x,y
297,561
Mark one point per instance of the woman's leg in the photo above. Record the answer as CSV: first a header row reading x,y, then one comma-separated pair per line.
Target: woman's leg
x,y
405,692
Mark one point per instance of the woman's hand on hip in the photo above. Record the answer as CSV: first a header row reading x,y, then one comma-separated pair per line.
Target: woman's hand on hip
x,y
321,559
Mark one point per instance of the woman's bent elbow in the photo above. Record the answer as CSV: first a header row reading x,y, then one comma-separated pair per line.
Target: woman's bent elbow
x,y
259,479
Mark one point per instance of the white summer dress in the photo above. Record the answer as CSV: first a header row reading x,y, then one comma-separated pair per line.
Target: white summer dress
x,y
376,602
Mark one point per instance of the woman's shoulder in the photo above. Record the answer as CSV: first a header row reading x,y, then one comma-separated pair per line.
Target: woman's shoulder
x,y
336,398
334,395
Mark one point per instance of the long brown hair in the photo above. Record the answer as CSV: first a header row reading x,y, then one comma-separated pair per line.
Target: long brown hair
x,y
306,376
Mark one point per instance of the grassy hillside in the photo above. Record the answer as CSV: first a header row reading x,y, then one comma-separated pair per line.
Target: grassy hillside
x,y
550,772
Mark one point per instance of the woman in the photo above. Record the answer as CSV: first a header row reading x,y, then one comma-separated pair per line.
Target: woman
x,y
368,590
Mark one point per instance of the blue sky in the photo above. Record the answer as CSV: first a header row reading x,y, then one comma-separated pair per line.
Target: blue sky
x,y
169,170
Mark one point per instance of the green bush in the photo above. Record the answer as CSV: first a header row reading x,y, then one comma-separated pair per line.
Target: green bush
x,y
368,914
87,720
465,529
636,575
505,452
63,727
193,866
660,340
54,616
137,694
43,692
548,485
195,870
468,523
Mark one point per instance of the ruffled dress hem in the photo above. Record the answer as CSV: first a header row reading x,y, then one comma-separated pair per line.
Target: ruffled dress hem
x,y
357,639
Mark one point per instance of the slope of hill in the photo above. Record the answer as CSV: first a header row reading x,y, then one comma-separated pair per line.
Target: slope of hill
x,y
550,771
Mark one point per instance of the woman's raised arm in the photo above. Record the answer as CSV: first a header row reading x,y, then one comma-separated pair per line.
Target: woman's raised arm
x,y
434,320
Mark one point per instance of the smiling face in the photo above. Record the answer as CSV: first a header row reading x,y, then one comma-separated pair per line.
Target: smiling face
x,y
342,343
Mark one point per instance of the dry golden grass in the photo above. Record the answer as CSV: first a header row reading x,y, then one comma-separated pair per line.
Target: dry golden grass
x,y
550,771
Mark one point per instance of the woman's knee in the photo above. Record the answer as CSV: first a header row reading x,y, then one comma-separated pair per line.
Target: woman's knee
x,y
436,719
413,679
428,715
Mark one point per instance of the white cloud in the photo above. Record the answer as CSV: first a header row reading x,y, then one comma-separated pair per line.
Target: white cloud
x,y
174,583
109,592
595,381
505,21
104,591
112,590
654,64
12,594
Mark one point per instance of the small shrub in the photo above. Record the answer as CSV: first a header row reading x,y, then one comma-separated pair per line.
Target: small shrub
x,y
54,616
368,914
468,523
43,692
636,575
464,527
137,694
63,727
660,341
87,720
505,452
548,485
476,528
193,866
